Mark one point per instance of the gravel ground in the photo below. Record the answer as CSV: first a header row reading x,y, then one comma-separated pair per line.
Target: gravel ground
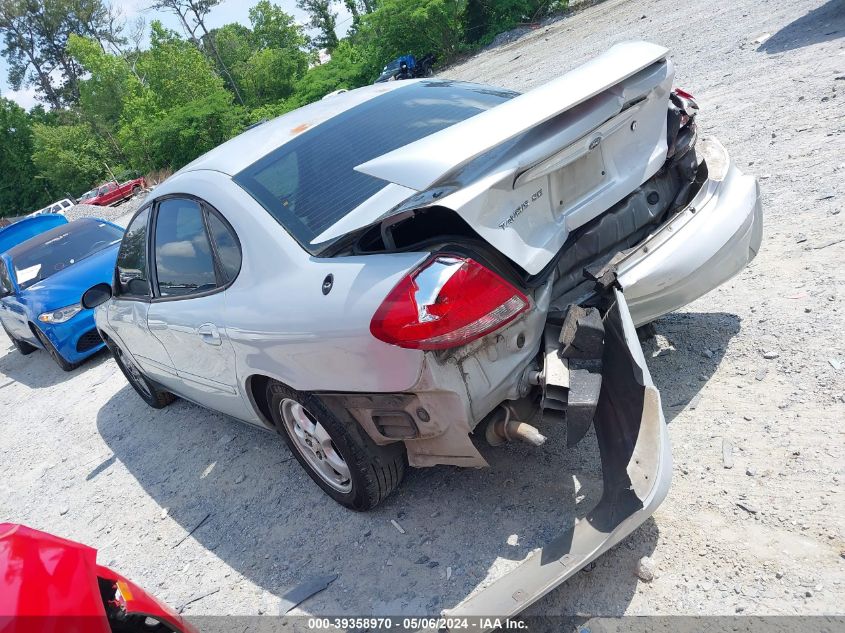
x,y
120,214
757,365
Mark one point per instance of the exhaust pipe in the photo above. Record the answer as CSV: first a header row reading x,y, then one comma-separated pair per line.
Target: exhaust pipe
x,y
504,428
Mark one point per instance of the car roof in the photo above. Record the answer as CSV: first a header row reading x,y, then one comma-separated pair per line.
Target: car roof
x,y
46,236
242,151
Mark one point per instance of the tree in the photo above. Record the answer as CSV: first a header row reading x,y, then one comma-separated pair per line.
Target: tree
x,y
273,28
179,84
271,74
357,8
35,36
235,44
398,27
68,156
175,138
192,14
324,19
20,192
111,81
350,67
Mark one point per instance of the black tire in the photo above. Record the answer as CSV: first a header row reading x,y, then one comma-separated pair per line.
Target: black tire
x,y
136,190
54,353
375,471
150,392
22,346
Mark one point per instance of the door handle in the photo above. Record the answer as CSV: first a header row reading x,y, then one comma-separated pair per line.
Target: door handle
x,y
209,333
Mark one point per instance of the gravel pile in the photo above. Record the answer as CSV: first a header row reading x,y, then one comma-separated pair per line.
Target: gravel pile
x,y
112,214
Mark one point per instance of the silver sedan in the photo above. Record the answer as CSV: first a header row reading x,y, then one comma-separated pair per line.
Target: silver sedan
x,y
386,274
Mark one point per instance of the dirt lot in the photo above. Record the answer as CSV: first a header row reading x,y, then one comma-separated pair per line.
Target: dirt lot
x,y
759,364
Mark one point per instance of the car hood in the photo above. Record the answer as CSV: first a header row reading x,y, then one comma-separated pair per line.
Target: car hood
x,y
66,287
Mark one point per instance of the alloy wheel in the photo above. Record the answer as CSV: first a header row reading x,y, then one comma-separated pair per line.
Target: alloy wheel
x,y
315,445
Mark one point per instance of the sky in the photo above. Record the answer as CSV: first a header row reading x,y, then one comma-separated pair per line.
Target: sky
x,y
227,12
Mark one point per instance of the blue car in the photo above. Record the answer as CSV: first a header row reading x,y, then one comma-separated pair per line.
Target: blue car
x,y
41,284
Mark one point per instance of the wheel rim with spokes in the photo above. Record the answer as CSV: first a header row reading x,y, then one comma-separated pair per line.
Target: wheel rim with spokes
x,y
315,445
134,374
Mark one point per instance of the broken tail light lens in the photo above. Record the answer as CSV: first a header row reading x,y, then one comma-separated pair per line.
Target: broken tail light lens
x,y
447,302
683,93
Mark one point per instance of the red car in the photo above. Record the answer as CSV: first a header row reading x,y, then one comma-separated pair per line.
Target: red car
x,y
48,583
111,193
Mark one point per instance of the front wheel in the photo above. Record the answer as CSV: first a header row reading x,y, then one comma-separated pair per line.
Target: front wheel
x,y
143,386
22,346
54,353
336,453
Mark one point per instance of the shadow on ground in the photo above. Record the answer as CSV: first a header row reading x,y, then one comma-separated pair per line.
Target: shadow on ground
x,y
37,370
686,353
822,24
268,521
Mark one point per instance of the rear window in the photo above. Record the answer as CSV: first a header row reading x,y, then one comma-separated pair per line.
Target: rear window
x,y
43,256
309,183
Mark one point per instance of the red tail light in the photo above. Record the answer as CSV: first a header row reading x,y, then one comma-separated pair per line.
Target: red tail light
x,y
447,302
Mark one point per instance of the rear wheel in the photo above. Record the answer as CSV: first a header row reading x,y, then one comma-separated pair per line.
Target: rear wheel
x,y
22,346
150,392
336,453
54,353
136,190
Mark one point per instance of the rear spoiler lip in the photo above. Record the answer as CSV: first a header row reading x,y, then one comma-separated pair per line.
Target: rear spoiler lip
x,y
423,164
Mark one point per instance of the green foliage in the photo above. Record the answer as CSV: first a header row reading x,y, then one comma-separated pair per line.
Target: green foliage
x,y
271,74
175,72
175,137
20,192
350,67
35,35
181,109
418,27
324,20
69,157
273,28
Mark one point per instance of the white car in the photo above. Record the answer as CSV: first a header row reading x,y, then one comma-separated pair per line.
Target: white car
x,y
382,276
57,207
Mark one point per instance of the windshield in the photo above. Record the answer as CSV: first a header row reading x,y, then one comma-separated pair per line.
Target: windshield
x,y
46,254
310,183
394,65
88,195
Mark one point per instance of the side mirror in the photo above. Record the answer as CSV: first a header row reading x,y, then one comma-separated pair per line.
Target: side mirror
x,y
96,295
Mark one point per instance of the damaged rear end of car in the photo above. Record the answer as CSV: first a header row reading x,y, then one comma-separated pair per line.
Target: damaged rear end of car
x,y
546,229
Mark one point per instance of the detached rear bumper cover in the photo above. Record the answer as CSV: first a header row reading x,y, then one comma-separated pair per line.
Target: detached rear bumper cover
x,y
703,246
636,467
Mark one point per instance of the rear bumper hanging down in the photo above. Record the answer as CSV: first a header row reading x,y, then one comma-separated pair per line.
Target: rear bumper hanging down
x,y
636,472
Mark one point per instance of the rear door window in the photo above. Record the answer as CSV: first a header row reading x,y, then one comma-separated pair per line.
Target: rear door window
x,y
228,249
133,279
183,255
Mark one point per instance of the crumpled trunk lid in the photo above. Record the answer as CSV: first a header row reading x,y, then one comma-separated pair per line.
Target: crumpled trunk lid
x,y
526,173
